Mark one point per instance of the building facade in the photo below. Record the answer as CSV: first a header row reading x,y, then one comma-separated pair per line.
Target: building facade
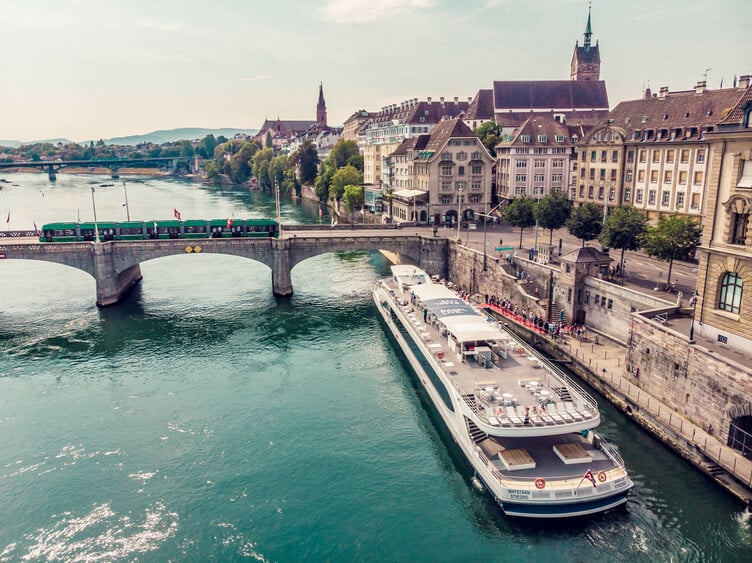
x,y
441,176
653,153
724,280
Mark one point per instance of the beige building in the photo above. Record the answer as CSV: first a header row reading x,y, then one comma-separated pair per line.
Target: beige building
x,y
441,176
724,280
598,167
397,122
653,153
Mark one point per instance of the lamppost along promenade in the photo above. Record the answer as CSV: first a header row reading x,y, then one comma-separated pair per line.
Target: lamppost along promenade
x,y
94,206
459,210
127,209
692,325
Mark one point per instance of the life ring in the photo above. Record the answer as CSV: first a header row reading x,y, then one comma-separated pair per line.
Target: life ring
x,y
601,477
520,351
540,483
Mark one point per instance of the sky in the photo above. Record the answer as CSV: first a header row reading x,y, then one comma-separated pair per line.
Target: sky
x,y
91,69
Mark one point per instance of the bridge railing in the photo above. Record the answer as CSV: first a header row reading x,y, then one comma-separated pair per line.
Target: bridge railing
x,y
345,227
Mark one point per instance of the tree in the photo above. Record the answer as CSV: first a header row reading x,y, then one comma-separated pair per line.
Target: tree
x,y
206,146
353,196
212,171
341,153
586,222
307,160
623,229
268,140
552,212
489,134
277,169
675,236
260,167
349,175
520,213
240,169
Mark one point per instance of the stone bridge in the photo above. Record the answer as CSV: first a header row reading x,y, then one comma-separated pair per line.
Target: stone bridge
x,y
115,265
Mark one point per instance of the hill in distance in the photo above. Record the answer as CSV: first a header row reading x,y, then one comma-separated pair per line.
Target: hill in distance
x,y
181,134
15,144
156,137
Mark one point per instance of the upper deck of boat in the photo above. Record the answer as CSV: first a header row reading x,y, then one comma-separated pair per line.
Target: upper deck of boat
x,y
506,381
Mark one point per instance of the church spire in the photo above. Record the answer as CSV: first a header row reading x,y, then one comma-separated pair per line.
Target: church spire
x,y
321,107
588,31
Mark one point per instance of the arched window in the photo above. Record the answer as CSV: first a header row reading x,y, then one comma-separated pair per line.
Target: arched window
x,y
731,292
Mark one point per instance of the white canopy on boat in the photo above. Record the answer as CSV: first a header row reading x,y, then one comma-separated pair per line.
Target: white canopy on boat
x,y
472,328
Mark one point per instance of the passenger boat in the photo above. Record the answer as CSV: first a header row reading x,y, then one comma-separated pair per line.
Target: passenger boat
x,y
525,427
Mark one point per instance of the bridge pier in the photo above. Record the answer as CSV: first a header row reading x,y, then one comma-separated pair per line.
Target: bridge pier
x,y
115,173
281,276
52,173
111,284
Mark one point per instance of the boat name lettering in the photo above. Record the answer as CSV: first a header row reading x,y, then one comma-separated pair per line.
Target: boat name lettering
x,y
518,494
452,311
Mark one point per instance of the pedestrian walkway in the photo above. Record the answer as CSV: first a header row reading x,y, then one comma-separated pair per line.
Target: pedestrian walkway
x,y
606,360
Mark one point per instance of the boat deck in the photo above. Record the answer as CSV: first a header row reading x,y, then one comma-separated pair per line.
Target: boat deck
x,y
505,379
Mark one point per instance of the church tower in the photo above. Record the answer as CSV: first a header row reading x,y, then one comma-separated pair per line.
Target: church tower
x,y
321,108
586,60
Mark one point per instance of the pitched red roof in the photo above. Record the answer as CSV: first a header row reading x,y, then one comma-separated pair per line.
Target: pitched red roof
x,y
482,106
736,114
674,111
549,94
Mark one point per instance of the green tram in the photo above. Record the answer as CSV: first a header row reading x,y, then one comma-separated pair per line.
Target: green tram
x,y
170,229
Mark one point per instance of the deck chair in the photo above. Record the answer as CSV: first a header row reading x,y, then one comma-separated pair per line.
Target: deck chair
x,y
512,415
573,413
563,412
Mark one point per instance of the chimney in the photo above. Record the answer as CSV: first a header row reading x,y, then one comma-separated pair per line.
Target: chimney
x,y
441,99
700,86
428,99
744,80
456,100
663,92
469,99
648,93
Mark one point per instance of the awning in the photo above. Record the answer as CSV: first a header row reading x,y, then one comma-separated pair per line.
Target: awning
x,y
409,194
472,329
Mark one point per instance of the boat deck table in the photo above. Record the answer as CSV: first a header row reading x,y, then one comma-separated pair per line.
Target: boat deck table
x,y
571,453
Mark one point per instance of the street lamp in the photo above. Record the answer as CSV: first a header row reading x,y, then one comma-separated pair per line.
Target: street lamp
x,y
537,201
127,209
692,325
459,210
94,206
279,216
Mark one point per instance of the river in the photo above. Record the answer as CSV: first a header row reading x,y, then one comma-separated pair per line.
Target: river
x,y
204,419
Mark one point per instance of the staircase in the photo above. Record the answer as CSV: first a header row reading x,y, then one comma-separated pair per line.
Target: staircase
x,y
563,393
476,434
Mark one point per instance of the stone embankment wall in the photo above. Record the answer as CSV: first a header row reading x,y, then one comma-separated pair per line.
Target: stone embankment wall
x,y
684,395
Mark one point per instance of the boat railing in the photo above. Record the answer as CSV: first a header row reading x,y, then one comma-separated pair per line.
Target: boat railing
x,y
610,451
557,371
554,482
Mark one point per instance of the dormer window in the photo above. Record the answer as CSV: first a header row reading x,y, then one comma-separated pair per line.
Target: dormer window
x,y
542,138
525,138
559,138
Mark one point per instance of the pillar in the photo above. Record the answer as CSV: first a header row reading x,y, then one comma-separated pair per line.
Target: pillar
x,y
115,173
281,276
112,286
52,173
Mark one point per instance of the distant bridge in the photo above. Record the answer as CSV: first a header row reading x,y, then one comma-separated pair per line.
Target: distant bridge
x,y
173,163
115,265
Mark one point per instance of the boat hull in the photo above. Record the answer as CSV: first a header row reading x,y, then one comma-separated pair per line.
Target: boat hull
x,y
512,502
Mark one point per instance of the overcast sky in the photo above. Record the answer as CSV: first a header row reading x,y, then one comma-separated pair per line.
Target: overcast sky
x,y
90,69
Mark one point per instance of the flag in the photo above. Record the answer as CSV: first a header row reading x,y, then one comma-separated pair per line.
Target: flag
x,y
590,477
176,213
36,231
8,219
229,222
321,213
